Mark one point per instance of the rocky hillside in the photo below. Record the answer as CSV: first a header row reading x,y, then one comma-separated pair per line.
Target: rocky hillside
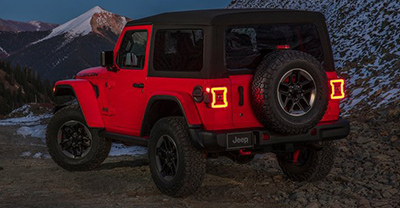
x,y
16,26
19,86
68,48
14,42
366,43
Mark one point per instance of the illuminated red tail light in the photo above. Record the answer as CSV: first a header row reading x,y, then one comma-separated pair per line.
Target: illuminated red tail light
x,y
337,89
219,97
282,47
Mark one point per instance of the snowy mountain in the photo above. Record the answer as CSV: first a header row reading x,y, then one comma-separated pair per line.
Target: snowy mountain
x,y
15,26
91,21
68,48
365,35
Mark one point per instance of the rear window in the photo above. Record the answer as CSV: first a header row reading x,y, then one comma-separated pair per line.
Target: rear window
x,y
178,50
245,46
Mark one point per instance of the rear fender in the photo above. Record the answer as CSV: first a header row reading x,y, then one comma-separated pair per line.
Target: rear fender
x,y
85,94
185,102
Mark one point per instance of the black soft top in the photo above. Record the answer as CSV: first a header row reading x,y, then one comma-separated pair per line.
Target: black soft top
x,y
230,17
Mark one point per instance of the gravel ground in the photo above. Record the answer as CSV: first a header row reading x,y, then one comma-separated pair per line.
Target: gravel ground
x,y
366,174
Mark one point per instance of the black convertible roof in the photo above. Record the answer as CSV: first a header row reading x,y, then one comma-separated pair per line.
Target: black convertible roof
x,y
229,16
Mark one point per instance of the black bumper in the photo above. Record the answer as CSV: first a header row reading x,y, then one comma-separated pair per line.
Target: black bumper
x,y
217,141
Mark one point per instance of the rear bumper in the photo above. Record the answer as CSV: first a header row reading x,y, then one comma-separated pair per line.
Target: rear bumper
x,y
217,141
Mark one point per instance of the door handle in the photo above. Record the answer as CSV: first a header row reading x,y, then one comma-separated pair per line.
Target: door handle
x,y
138,85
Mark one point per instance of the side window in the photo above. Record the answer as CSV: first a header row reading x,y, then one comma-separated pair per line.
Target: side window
x,y
132,52
178,50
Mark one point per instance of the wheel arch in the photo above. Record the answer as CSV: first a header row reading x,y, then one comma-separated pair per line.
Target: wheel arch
x,y
164,105
86,96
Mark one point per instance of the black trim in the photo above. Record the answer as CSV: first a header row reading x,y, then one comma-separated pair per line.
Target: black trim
x,y
241,96
124,138
60,99
63,97
216,141
225,16
96,89
138,85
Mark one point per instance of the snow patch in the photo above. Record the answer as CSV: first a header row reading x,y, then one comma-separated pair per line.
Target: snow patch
x,y
120,149
37,24
357,91
37,155
25,110
4,51
26,154
37,131
32,128
28,120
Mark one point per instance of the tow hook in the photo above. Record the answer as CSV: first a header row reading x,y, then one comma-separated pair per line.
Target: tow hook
x,y
296,156
244,153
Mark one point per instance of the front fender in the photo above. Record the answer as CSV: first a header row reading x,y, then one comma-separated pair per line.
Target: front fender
x,y
86,96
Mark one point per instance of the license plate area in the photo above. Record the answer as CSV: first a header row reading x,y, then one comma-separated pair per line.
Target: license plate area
x,y
239,140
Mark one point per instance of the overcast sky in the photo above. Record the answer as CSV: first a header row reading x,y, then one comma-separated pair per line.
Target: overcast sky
x,y
55,11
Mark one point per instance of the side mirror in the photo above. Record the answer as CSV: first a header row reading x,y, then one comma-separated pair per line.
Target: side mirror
x,y
107,59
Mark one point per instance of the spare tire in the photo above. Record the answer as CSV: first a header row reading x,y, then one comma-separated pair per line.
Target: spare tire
x,y
289,92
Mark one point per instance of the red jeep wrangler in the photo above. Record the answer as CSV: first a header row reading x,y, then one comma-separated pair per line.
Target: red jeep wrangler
x,y
197,84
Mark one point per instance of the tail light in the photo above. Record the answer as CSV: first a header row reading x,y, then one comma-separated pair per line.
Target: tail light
x,y
219,97
337,89
282,47
213,97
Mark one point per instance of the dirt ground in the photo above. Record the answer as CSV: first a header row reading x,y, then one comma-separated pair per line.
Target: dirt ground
x,y
366,174
120,182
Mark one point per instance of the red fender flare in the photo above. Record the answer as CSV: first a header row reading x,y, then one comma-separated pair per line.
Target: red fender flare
x,y
184,100
87,99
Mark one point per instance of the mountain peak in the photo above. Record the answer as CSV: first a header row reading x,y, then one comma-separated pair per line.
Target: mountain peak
x,y
97,9
84,24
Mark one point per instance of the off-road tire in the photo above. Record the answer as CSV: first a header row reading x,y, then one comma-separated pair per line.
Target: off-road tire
x,y
99,149
317,166
265,102
191,164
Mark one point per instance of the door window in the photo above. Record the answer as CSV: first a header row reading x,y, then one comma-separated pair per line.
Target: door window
x,y
132,52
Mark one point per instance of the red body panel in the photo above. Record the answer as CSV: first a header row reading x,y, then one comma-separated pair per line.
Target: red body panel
x,y
196,113
186,100
333,110
86,97
243,116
